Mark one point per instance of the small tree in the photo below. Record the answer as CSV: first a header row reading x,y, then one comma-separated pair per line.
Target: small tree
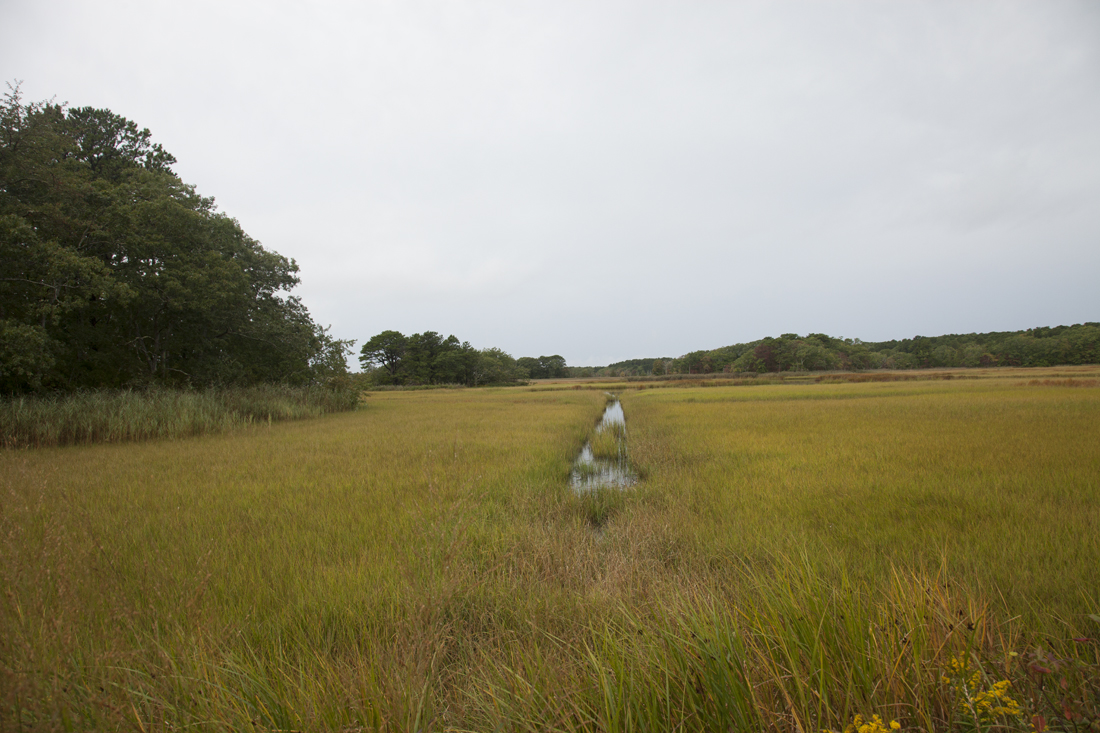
x,y
384,351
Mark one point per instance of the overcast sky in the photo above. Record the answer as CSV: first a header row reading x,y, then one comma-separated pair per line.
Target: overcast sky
x,y
611,180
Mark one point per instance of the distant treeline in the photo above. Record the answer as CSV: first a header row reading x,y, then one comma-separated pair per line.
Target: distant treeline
x,y
392,358
1047,346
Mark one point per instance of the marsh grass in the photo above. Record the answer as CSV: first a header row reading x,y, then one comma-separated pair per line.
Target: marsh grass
x,y
999,479
798,556
807,652
599,505
126,415
1068,382
610,442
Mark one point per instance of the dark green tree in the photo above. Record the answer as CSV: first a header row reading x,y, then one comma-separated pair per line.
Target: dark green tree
x,y
384,352
530,366
117,273
555,366
428,358
544,367
495,366
422,354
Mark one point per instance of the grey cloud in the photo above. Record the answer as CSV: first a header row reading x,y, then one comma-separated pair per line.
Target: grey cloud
x,y
609,180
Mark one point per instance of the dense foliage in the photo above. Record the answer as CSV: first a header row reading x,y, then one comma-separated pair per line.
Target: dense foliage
x,y
391,358
544,367
1060,345
117,273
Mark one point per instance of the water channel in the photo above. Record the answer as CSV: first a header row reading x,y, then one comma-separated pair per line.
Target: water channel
x,y
610,468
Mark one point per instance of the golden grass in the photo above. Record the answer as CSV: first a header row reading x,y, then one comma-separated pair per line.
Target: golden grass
x,y
1002,481
796,556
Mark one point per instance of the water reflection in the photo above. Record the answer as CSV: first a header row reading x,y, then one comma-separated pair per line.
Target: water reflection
x,y
613,417
610,468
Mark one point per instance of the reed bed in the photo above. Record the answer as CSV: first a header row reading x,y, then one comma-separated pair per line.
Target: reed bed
x,y
798,558
126,415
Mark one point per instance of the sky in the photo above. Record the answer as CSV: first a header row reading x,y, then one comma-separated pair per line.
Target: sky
x,y
607,180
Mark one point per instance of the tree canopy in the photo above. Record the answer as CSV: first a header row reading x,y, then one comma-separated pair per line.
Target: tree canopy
x,y
544,367
1043,346
391,358
117,273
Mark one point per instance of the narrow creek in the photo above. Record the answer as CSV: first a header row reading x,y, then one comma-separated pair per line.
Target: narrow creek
x,y
602,461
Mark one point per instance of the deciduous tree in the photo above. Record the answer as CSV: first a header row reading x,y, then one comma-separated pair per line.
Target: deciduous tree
x,y
118,273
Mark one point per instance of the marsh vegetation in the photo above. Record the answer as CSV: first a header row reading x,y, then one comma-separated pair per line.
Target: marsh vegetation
x,y
604,462
114,416
799,557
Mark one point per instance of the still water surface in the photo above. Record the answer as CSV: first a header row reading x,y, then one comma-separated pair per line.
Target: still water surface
x,y
590,472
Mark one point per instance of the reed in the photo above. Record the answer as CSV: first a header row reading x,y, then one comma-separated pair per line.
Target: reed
x,y
126,415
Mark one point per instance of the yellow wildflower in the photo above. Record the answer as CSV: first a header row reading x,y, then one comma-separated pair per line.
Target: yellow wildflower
x,y
874,725
984,705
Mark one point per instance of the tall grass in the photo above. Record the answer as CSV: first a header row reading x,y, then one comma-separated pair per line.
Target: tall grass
x,y
126,415
802,649
610,442
795,558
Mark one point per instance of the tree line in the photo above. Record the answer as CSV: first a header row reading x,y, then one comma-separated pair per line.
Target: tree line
x,y
116,273
392,358
428,358
1044,346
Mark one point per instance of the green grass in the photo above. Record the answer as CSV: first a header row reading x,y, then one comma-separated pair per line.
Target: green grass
x,y
610,443
796,556
113,416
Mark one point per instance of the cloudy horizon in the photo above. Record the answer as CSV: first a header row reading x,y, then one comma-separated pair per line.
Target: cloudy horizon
x,y
617,180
